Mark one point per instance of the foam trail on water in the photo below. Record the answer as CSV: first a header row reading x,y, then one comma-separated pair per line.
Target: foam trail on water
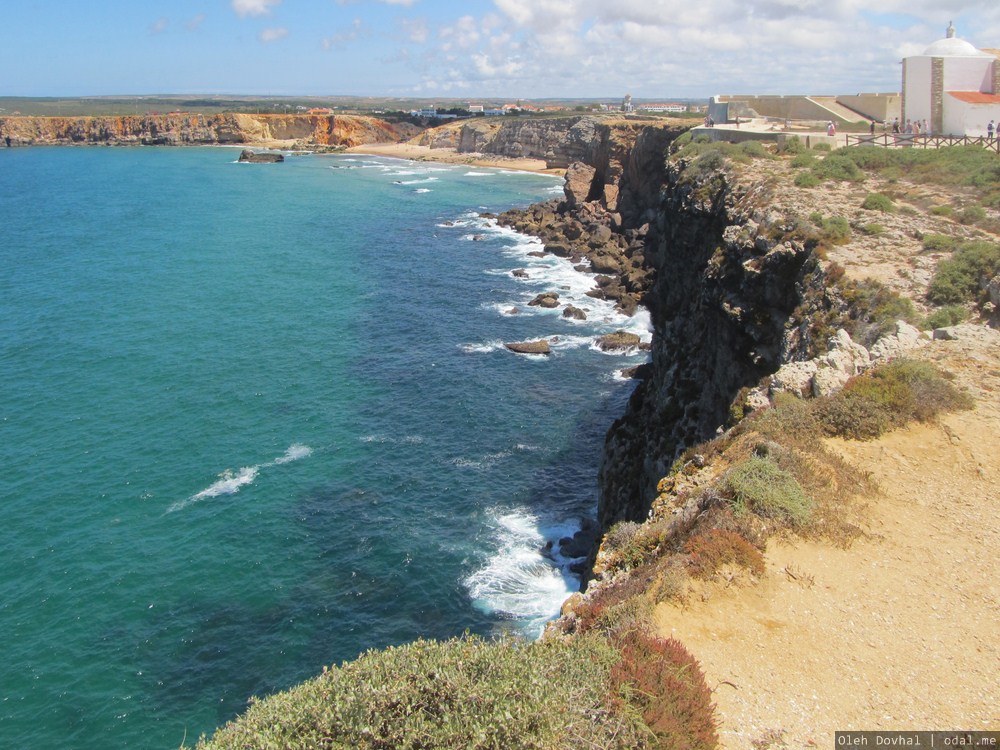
x,y
230,482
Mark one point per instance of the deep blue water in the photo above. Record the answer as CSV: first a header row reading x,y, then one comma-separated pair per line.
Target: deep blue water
x,y
255,419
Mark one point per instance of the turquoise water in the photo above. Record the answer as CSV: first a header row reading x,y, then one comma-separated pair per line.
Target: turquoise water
x,y
255,419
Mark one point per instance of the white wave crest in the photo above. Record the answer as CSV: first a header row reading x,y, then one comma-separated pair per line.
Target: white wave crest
x,y
518,581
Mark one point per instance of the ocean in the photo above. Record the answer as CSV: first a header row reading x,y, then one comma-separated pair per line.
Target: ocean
x,y
258,418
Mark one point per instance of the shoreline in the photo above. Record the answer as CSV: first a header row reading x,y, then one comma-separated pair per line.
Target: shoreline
x,y
414,152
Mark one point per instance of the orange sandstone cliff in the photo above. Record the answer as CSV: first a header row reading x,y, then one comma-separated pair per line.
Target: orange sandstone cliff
x,y
187,129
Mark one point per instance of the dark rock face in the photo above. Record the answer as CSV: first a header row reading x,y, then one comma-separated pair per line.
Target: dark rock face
x,y
571,311
722,296
265,158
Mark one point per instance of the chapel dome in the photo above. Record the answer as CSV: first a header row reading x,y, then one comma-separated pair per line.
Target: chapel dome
x,y
952,47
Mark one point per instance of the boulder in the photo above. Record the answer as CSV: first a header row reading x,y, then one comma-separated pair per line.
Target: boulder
x,y
618,341
795,378
519,273
604,263
600,237
574,312
548,300
905,339
529,347
843,361
254,158
562,249
579,178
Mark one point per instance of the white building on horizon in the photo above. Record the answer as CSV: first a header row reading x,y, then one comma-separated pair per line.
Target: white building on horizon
x,y
953,86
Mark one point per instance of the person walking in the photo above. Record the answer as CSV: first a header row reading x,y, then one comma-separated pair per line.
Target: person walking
x,y
990,130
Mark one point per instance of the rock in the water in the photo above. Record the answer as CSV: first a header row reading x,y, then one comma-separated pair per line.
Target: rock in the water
x,y
519,273
254,158
547,300
529,347
618,341
574,312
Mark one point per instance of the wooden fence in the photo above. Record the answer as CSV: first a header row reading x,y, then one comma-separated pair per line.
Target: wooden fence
x,y
910,140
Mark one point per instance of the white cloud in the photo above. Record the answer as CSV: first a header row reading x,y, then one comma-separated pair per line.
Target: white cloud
x,y
416,30
341,39
245,8
194,23
272,35
678,47
159,26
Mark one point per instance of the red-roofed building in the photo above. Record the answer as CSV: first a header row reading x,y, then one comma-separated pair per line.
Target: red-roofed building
x,y
953,87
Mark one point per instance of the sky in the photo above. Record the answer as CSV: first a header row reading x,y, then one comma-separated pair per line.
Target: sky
x,y
518,49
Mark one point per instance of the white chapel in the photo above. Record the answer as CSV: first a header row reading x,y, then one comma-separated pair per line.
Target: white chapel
x,y
953,86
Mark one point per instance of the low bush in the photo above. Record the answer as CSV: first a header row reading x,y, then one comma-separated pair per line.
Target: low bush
x,y
972,215
806,180
803,159
878,202
873,309
873,230
792,145
940,243
942,210
949,315
838,167
462,693
665,684
758,485
888,397
710,550
963,277
833,230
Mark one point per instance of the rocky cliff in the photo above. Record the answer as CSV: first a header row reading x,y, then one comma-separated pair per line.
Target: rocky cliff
x,y
192,129
697,246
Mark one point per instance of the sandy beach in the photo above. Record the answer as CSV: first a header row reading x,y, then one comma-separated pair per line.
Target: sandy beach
x,y
451,156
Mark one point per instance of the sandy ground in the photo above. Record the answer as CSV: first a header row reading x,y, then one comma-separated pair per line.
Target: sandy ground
x,y
451,156
902,630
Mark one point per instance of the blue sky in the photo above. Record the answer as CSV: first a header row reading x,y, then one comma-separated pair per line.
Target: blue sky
x,y
473,48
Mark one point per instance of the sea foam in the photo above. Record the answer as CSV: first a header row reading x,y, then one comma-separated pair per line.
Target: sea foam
x,y
230,482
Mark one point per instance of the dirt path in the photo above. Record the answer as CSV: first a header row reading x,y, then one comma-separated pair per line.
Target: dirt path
x,y
902,630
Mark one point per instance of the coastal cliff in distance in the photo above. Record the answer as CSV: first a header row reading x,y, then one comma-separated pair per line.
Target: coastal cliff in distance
x,y
195,129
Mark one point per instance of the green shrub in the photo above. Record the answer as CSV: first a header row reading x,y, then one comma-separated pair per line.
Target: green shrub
x,y
942,210
806,180
755,150
873,230
792,145
972,215
963,277
803,159
949,315
838,167
940,243
714,548
873,309
664,682
888,397
462,693
835,230
878,202
822,147
759,486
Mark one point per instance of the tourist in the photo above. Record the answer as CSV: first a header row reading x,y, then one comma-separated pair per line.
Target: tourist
x,y
989,130
895,125
831,129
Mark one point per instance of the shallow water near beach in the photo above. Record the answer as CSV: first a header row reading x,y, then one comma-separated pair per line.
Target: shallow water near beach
x,y
256,419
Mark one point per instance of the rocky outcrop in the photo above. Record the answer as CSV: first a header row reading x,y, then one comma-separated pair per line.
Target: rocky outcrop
x,y
529,347
252,157
187,129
